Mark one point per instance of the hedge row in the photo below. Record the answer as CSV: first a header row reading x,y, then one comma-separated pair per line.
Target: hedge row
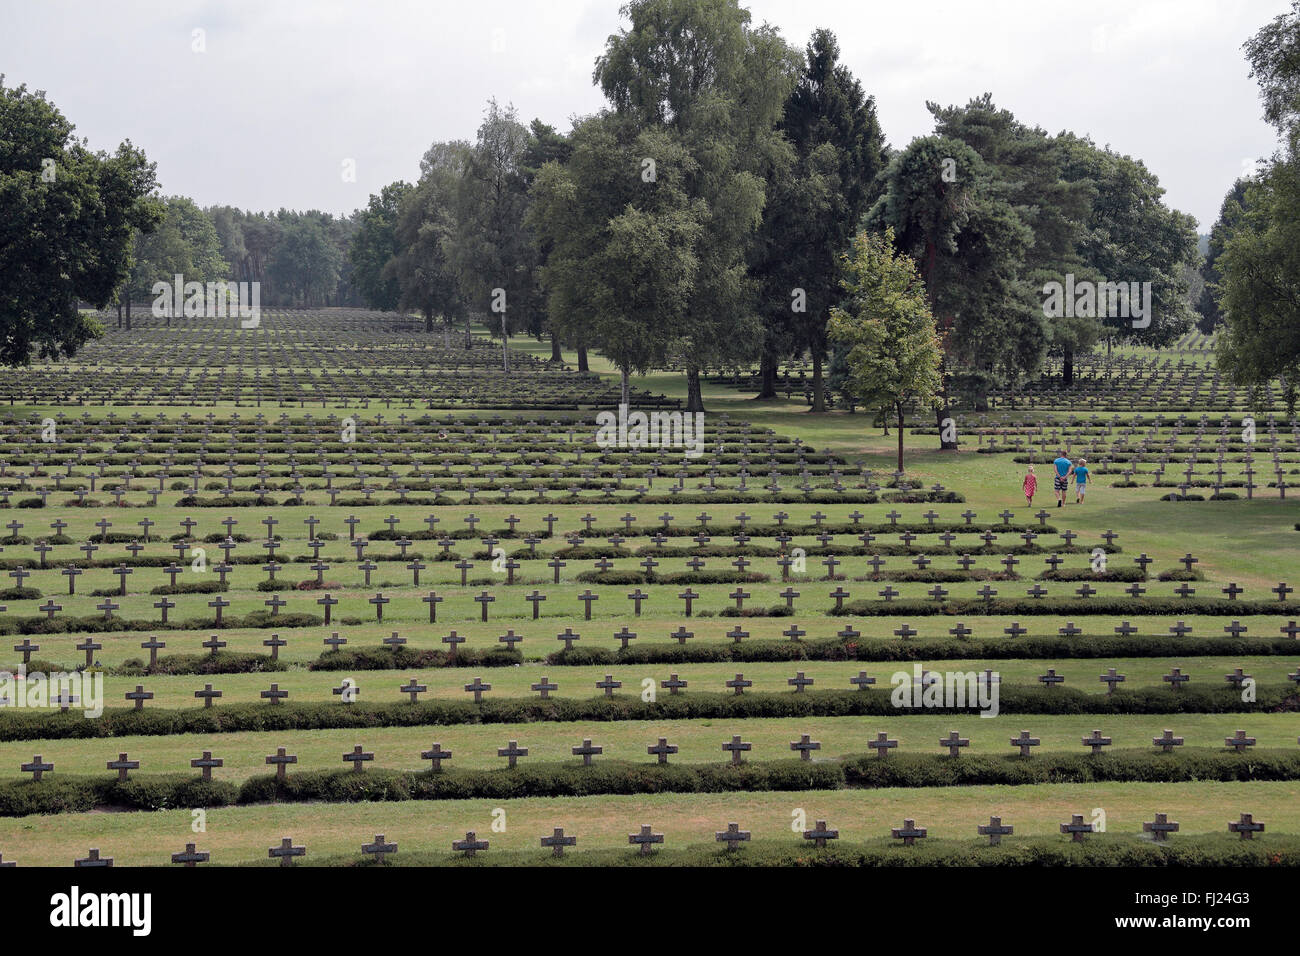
x,y
404,657
1122,766
222,662
57,794
60,794
771,530
1213,607
46,724
101,625
1045,647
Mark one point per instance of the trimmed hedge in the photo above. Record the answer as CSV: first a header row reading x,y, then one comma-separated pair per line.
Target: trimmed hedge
x,y
60,794
404,657
1212,607
1121,766
543,780
101,625
222,662
927,649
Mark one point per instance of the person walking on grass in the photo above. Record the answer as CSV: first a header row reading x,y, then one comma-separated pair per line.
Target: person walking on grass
x,y
1031,485
1061,480
1080,480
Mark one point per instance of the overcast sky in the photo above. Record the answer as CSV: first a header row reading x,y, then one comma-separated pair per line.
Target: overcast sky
x,y
264,106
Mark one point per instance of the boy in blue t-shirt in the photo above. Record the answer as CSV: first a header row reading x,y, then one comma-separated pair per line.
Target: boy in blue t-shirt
x,y
1061,480
1080,480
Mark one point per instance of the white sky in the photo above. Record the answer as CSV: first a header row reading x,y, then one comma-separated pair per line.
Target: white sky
x,y
287,90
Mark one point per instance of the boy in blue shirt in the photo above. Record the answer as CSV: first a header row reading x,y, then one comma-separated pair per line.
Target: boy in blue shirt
x,y
1061,480
1080,480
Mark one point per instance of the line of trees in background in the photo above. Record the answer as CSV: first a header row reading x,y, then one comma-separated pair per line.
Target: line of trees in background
x,y
702,218
299,258
708,217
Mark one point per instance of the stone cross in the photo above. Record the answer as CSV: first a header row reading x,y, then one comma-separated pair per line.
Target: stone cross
x,y
995,830
358,757
805,746
286,851
437,755
733,836
191,855
909,832
954,742
1246,827
644,840
1077,828
609,685
1096,741
587,751
662,749
280,759
37,767
205,764
557,841
379,848
139,695
512,752
1239,741
882,744
1024,742
208,694
1161,827
477,688
1167,741
736,746
93,859
819,834
123,765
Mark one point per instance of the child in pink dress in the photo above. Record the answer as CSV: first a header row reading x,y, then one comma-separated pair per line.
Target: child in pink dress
x,y
1031,485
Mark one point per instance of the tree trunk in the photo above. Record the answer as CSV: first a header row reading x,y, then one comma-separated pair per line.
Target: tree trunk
x,y
446,333
582,359
819,387
943,413
119,315
428,320
900,436
884,420
694,399
767,374
1067,368
469,341
555,349
128,314
505,345
626,394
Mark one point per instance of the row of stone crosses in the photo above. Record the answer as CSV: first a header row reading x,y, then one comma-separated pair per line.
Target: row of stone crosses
x,y
544,687
646,839
737,747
